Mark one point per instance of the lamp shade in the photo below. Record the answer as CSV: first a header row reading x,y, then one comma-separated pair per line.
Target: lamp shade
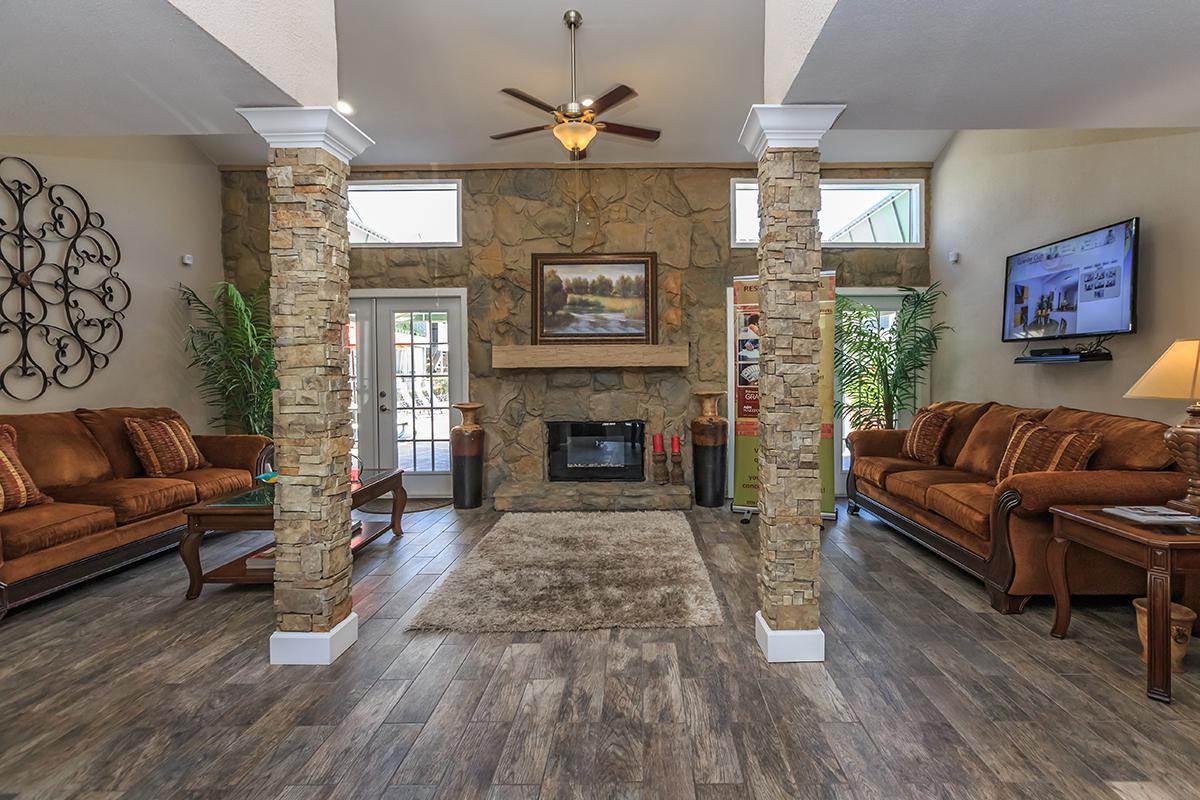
x,y
1174,376
574,135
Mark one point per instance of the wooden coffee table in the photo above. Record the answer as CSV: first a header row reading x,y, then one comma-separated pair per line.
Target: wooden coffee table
x,y
254,510
1163,551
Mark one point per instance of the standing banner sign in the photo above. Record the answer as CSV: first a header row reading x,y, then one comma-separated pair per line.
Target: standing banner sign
x,y
743,390
827,452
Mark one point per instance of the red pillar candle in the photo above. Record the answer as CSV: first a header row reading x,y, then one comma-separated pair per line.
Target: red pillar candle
x,y
674,444
658,443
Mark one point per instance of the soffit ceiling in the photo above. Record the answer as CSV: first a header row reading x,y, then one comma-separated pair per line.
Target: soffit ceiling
x,y
119,67
1007,64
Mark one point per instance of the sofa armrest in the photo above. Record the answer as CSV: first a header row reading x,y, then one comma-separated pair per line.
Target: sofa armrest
x,y
875,442
235,451
1035,492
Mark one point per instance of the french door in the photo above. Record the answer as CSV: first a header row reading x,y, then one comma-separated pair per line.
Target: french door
x,y
886,303
408,363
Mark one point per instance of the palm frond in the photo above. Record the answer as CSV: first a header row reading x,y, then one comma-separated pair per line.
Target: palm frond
x,y
881,372
231,343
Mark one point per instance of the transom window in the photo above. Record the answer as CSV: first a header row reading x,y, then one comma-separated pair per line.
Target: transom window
x,y
854,213
405,214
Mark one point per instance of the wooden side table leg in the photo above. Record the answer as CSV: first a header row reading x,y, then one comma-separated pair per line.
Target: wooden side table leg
x,y
1056,565
399,501
1158,624
189,551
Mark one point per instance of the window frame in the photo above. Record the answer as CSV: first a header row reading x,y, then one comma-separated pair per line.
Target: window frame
x,y
915,184
918,210
733,189
414,183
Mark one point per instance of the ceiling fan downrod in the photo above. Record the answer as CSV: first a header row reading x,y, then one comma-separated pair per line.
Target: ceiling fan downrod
x,y
573,20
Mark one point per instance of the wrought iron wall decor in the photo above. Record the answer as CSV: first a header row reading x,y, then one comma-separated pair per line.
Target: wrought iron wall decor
x,y
63,302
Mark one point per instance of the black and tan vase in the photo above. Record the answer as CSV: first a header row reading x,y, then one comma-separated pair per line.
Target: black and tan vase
x,y
466,457
710,445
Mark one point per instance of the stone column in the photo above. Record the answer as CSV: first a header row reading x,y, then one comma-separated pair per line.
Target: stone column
x,y
785,140
308,167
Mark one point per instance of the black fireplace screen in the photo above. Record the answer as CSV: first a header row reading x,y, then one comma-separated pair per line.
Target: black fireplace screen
x,y
596,451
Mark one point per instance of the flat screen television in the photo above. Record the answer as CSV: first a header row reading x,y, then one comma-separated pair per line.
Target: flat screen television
x,y
1082,286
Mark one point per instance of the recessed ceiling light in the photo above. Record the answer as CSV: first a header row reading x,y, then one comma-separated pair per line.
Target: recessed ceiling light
x,y
586,101
344,107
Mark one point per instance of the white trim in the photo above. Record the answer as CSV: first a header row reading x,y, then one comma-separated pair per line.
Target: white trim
x,y
773,126
458,242
308,126
449,291
787,646
321,648
875,291
463,373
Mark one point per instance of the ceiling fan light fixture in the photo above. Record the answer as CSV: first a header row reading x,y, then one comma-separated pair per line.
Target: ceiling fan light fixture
x,y
575,135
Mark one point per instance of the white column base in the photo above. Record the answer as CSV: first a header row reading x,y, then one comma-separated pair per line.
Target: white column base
x,y
785,646
296,647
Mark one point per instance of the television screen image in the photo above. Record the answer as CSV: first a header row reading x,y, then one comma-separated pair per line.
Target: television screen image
x,y
1081,286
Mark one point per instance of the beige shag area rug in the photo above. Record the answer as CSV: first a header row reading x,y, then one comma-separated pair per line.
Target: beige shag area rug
x,y
577,571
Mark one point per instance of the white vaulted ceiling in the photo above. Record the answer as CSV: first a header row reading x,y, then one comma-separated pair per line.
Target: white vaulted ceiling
x,y
119,67
924,64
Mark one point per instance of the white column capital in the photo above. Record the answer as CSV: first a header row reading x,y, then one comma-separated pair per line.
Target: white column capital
x,y
308,126
770,126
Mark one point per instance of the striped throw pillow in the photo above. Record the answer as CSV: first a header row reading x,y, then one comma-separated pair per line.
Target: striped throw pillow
x,y
924,439
1035,448
164,446
17,488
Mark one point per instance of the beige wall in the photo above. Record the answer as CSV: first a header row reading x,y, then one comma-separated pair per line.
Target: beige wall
x,y
161,199
1000,192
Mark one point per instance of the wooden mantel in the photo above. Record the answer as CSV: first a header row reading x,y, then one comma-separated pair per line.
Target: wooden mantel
x,y
600,356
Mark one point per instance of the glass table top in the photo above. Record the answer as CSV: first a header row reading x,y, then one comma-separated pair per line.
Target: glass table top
x,y
263,494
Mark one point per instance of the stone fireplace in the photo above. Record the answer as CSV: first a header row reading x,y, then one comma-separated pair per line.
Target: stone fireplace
x,y
596,451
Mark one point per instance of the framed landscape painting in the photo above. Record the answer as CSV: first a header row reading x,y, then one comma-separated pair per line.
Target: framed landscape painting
x,y
595,299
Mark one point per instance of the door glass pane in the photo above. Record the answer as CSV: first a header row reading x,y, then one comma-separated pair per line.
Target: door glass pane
x,y
422,340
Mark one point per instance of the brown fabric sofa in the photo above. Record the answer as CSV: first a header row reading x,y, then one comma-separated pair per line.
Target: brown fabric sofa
x,y
999,533
106,513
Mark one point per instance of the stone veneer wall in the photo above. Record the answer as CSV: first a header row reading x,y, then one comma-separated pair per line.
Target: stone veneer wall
x,y
511,213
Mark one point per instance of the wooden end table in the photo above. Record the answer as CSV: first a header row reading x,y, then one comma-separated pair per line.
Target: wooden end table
x,y
1163,551
254,510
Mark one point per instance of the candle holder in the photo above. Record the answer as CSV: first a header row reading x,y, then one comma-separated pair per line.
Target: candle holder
x,y
659,469
466,457
710,446
676,462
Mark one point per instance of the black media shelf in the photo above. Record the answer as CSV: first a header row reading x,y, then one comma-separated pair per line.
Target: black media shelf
x,y
1068,358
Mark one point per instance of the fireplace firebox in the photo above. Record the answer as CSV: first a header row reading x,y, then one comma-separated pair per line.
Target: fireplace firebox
x,y
596,451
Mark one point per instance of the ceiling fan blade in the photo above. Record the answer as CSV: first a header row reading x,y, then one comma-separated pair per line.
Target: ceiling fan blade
x,y
630,130
618,94
521,132
578,155
528,98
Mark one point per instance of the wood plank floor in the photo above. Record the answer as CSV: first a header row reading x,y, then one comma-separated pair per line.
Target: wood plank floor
x,y
120,689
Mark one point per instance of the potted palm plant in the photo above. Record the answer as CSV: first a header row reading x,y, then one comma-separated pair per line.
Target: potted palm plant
x,y
230,341
881,368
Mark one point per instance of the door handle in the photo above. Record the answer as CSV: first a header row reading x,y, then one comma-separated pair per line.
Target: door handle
x,y
383,409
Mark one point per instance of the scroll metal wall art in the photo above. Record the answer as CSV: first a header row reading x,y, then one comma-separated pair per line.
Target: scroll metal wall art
x,y
61,299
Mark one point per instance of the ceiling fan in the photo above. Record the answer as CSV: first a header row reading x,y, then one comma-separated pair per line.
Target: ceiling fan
x,y
575,123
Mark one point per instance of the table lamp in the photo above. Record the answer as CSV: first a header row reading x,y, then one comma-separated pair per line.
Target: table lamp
x,y
1176,376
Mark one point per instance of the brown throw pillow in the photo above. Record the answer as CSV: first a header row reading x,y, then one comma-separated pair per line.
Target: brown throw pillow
x,y
1035,448
164,446
17,488
923,442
